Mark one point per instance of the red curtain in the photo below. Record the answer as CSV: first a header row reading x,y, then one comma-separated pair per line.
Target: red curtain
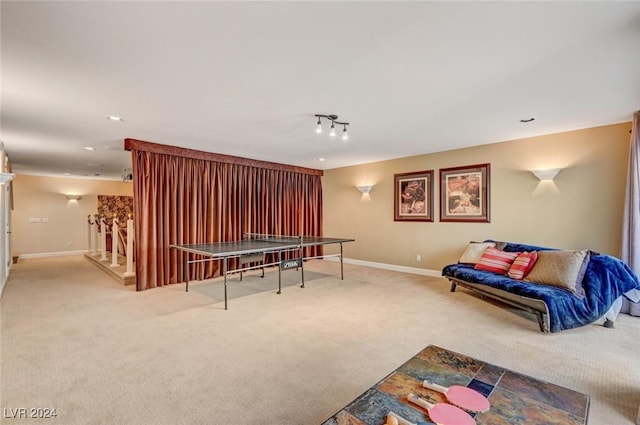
x,y
184,199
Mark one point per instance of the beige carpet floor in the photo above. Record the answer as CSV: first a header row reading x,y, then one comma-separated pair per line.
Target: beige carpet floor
x,y
99,353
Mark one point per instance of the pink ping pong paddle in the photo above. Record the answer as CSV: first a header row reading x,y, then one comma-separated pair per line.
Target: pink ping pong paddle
x,y
443,413
463,397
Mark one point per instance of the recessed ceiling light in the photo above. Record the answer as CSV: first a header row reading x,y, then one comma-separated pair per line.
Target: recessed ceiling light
x,y
114,118
527,120
321,159
89,148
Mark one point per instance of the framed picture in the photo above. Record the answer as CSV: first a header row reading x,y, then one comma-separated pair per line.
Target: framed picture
x,y
413,196
464,193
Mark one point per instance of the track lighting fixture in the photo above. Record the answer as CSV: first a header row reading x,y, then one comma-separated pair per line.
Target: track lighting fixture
x,y
333,119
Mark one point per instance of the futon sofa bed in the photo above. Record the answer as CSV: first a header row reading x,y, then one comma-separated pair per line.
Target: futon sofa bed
x,y
600,282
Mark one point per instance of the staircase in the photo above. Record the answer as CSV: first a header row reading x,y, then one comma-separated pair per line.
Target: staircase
x,y
118,273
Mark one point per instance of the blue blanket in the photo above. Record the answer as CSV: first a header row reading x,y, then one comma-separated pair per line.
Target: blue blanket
x,y
606,279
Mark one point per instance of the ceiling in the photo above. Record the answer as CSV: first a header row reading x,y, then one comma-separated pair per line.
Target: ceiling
x,y
246,78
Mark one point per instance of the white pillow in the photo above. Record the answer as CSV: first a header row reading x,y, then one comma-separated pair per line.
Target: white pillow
x,y
474,251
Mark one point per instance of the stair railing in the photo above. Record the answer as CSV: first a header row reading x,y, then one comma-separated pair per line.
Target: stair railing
x,y
122,240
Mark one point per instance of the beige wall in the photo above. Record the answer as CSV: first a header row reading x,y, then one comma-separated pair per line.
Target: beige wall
x,y
582,208
43,197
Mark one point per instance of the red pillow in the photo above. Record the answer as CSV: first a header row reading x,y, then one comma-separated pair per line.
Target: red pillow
x,y
496,261
522,265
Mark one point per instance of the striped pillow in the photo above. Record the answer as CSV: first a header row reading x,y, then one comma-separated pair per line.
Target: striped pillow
x,y
496,261
522,265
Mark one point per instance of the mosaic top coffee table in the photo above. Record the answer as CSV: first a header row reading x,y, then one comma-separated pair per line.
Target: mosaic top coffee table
x,y
515,398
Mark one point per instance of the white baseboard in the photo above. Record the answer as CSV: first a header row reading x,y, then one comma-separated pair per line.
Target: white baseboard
x,y
393,267
4,283
385,266
50,254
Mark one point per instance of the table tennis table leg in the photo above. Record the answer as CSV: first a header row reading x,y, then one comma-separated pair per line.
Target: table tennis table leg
x,y
341,266
301,255
185,270
224,272
279,272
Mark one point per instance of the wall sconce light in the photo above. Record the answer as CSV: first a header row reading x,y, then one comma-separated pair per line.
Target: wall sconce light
x,y
333,119
73,197
365,189
546,175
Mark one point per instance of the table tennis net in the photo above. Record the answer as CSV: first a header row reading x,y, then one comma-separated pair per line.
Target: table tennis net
x,y
263,237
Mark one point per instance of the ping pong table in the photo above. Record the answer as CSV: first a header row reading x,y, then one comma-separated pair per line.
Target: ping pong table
x,y
251,252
